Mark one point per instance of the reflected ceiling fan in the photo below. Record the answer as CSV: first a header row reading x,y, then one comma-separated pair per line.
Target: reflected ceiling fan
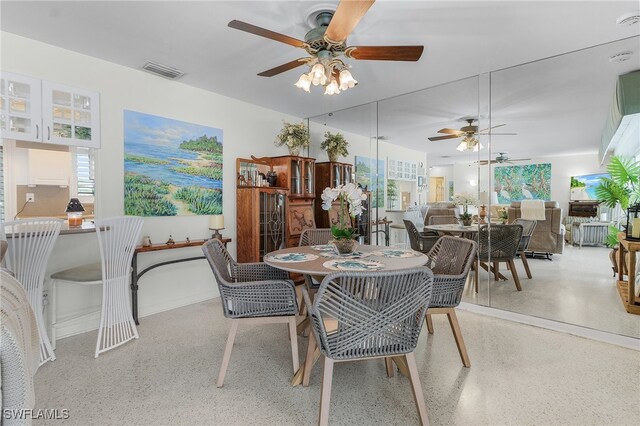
x,y
468,133
502,159
326,43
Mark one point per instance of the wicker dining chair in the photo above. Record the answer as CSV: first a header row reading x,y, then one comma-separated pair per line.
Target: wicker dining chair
x,y
363,315
528,226
420,241
505,240
450,260
251,293
443,220
30,247
315,236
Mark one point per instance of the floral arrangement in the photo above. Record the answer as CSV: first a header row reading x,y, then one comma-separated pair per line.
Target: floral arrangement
x,y
465,199
294,136
351,195
335,145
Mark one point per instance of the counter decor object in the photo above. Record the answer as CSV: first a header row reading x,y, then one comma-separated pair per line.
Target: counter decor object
x,y
74,212
146,241
216,223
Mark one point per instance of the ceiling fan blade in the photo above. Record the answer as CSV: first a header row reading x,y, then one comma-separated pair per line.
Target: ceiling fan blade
x,y
282,68
520,159
262,32
499,134
499,125
450,131
441,138
347,16
387,53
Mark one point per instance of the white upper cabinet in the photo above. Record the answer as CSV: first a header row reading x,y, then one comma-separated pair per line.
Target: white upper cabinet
x,y
20,107
41,111
70,116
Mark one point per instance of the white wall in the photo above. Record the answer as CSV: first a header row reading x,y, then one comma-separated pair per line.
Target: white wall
x,y
248,129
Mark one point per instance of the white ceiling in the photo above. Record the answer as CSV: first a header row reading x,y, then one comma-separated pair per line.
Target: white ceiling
x,y
461,39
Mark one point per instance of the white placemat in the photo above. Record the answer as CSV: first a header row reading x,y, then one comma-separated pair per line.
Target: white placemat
x,y
391,253
292,257
353,265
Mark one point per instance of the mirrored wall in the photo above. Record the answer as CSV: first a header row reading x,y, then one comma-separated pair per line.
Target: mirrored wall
x,y
537,125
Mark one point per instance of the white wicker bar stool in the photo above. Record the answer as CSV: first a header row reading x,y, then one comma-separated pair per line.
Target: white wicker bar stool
x,y
117,238
30,244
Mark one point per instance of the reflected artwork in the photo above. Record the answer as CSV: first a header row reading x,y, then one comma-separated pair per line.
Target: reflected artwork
x,y
373,178
171,167
516,183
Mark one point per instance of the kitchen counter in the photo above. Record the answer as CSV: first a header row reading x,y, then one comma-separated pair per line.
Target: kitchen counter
x,y
87,226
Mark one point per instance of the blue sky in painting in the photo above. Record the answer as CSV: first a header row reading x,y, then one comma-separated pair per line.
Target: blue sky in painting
x,y
140,128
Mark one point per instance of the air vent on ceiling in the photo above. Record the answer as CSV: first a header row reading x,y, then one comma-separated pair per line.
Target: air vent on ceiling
x,y
629,18
620,57
162,70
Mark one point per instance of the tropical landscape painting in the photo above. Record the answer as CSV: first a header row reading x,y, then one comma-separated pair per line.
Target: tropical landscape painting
x,y
373,178
516,183
584,187
171,167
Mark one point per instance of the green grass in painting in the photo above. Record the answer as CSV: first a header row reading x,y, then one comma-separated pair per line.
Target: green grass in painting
x,y
201,200
215,157
145,160
210,172
144,197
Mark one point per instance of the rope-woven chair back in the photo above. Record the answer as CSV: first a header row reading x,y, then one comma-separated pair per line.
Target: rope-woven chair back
x,y
30,245
498,243
315,236
450,260
221,262
370,314
528,226
117,238
442,220
414,235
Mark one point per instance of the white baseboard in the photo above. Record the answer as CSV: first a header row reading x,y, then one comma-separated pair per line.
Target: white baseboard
x,y
90,322
576,330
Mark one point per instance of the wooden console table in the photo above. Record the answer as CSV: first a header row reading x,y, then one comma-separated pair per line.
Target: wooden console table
x,y
135,275
627,289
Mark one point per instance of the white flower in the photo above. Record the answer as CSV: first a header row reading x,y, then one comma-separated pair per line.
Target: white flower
x,y
349,192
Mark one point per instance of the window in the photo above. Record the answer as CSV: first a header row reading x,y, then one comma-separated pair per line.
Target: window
x,y
85,172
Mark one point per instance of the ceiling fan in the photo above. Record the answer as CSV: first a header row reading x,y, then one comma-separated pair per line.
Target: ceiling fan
x,y
326,43
501,159
468,131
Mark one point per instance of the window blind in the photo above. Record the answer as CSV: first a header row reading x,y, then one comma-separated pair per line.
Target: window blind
x,y
85,171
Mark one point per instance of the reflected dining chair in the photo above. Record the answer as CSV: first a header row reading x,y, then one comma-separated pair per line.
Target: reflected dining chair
x,y
443,220
366,315
30,243
420,241
117,238
528,226
251,293
450,259
315,236
503,247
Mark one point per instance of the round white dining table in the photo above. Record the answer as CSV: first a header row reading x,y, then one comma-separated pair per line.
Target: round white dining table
x,y
452,228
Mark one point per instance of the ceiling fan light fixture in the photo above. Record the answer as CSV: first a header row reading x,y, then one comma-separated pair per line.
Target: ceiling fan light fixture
x,y
478,146
304,83
332,88
346,80
462,146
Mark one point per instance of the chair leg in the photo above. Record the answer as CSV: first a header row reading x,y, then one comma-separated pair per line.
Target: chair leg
x,y
475,281
325,395
514,272
429,323
496,269
388,363
457,335
53,315
293,335
525,263
416,387
308,362
227,352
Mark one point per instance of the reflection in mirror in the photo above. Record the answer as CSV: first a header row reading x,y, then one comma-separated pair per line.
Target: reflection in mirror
x,y
558,108
47,175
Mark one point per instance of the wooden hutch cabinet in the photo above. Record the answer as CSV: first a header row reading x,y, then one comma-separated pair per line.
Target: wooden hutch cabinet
x,y
329,174
284,210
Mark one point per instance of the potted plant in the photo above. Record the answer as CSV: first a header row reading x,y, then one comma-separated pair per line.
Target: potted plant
x,y
392,193
294,136
623,188
465,200
335,145
350,197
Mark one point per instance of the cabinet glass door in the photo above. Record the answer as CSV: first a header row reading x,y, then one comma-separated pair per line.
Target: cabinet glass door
x,y
347,174
296,178
337,175
71,116
20,107
308,177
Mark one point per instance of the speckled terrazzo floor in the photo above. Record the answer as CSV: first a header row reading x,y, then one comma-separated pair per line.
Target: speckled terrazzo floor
x,y
520,375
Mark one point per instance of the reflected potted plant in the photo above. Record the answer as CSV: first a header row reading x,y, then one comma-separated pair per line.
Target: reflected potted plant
x,y
294,136
465,199
350,197
335,145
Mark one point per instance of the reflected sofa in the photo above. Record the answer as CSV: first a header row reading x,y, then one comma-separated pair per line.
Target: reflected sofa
x,y
548,237
440,209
